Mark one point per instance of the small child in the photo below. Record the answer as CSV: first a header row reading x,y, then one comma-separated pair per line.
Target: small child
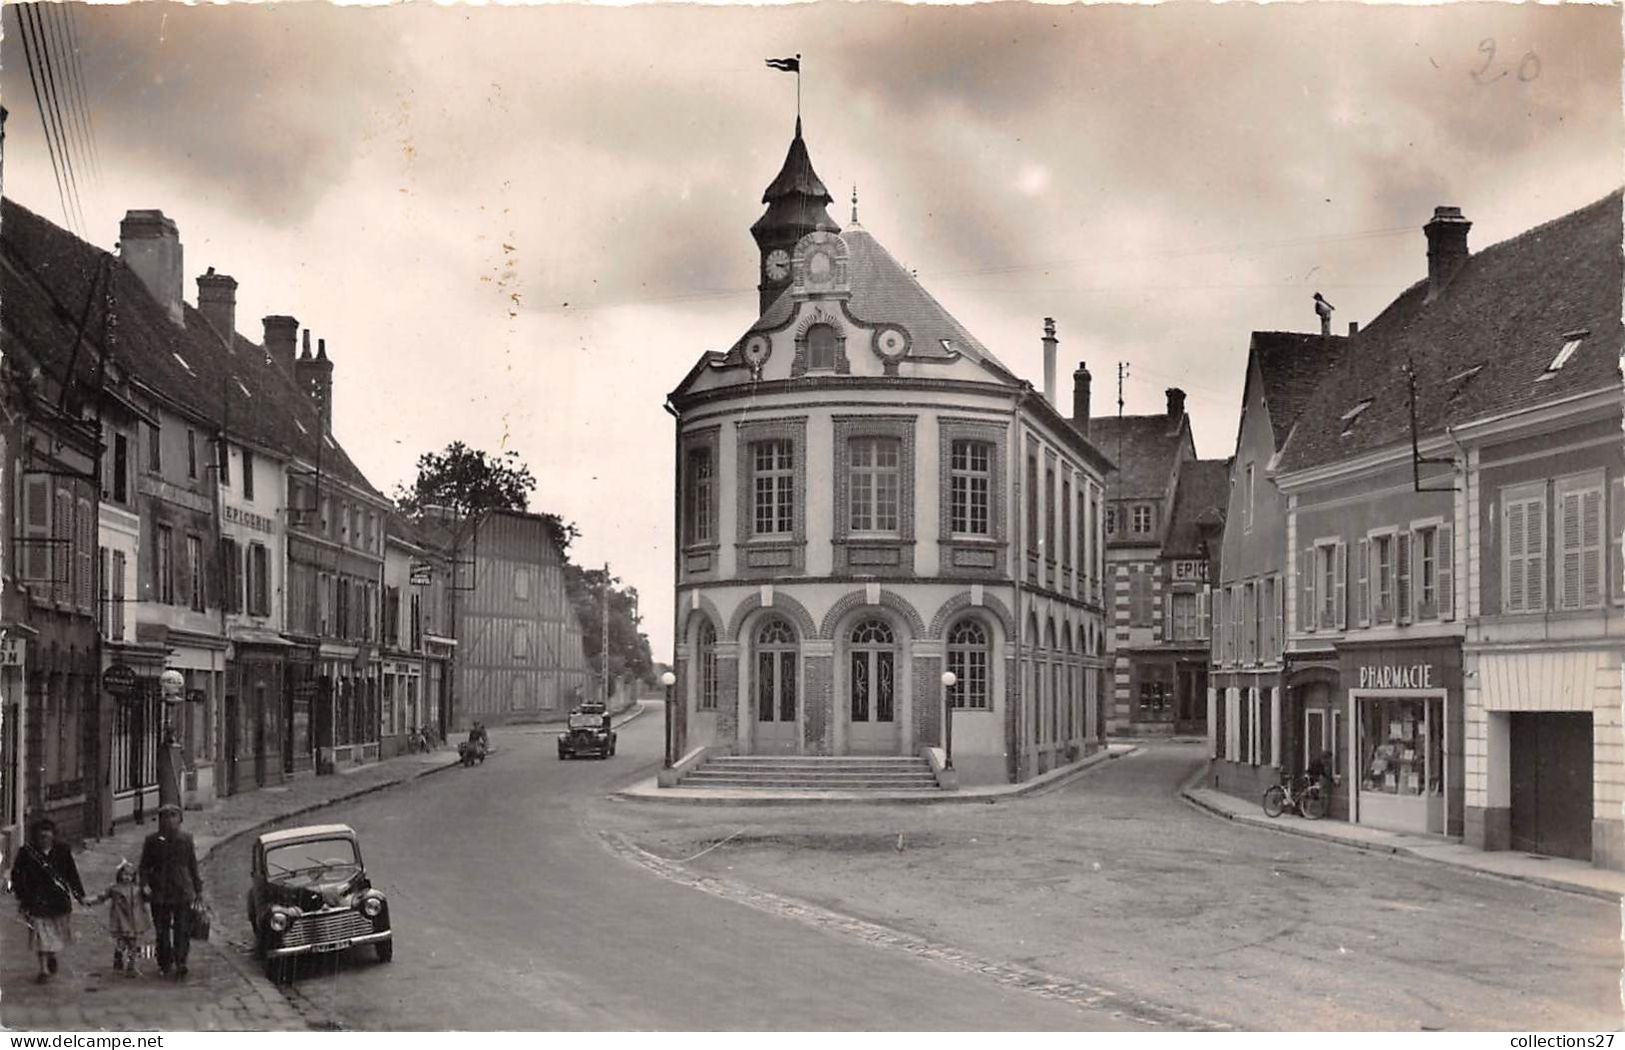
x,y
126,916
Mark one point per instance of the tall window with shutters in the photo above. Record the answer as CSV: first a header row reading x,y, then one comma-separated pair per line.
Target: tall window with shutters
x,y
194,573
163,565
232,557
259,580
1523,564
1577,505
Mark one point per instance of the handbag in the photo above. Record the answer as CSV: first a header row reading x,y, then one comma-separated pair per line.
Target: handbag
x,y
202,919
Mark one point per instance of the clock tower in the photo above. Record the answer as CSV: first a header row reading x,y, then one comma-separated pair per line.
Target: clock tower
x,y
796,202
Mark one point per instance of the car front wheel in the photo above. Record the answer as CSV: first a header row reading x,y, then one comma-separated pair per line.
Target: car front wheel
x,y
386,950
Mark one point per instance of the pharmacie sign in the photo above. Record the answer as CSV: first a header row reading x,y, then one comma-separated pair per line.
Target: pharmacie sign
x,y
1396,676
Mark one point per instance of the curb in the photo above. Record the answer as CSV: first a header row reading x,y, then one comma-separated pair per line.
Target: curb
x,y
1388,849
1053,780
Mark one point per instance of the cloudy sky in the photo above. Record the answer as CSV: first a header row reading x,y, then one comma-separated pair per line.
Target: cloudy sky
x,y
519,226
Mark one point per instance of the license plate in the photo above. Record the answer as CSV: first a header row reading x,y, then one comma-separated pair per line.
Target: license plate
x,y
334,946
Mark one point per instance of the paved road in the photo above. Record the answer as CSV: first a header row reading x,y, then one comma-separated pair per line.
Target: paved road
x,y
1115,881
512,915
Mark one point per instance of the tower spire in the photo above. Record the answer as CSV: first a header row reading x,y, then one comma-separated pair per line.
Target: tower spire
x,y
797,204
854,204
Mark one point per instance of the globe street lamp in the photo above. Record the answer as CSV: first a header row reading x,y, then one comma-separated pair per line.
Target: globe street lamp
x,y
668,680
172,686
949,680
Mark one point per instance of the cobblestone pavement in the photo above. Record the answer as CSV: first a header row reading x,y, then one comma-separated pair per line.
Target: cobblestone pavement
x,y
223,992
1115,884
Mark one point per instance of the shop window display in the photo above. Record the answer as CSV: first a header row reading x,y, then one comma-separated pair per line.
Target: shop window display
x,y
1402,762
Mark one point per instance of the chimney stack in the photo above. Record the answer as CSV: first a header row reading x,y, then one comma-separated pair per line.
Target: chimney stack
x,y
281,336
1176,404
150,245
1050,343
315,375
1354,328
1447,247
217,302
1080,400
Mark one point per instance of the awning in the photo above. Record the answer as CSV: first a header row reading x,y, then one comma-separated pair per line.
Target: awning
x,y
259,636
1573,680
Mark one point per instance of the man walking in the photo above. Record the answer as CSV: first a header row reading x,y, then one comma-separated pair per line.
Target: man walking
x,y
169,872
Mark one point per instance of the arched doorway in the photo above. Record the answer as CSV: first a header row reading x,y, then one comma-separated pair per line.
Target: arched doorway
x,y
777,656
873,718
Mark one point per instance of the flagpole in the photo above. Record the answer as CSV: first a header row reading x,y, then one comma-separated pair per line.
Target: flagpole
x,y
798,86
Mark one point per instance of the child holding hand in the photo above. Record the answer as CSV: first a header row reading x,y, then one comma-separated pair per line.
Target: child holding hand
x,y
126,916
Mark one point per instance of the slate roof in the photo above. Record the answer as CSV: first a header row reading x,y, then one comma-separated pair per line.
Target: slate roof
x,y
1506,312
47,277
1291,367
884,292
1145,456
1203,494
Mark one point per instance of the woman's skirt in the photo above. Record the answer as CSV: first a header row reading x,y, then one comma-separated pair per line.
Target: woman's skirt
x,y
49,933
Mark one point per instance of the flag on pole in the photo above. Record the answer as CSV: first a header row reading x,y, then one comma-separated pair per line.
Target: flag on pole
x,y
785,65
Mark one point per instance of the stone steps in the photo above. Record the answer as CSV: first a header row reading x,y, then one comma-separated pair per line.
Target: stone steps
x,y
813,773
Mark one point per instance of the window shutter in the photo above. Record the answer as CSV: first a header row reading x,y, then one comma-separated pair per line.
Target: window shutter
x,y
1534,548
117,590
1363,595
1306,589
1516,570
36,560
62,547
1445,555
1278,643
1340,570
1215,625
1616,522
1402,577
86,551
1167,616
1204,613
1591,543
1570,549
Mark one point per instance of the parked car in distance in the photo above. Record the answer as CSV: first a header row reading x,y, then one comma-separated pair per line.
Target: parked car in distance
x,y
587,733
310,893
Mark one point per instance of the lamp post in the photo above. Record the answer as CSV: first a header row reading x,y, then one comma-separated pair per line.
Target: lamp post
x,y
668,680
949,680
172,685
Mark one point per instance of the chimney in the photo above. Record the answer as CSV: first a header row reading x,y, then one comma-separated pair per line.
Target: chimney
x,y
1447,247
217,302
1176,404
1050,343
1354,328
281,336
315,375
1080,399
150,245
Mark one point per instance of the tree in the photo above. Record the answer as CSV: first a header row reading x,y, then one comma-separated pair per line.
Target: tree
x,y
470,483
629,654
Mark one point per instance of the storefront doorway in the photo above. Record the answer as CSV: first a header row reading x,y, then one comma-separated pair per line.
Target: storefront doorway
x,y
1401,773
1552,783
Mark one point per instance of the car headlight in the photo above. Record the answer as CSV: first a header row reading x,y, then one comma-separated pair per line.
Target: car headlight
x,y
372,906
278,921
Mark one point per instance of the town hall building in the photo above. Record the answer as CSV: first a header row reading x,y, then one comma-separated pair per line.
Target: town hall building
x,y
868,497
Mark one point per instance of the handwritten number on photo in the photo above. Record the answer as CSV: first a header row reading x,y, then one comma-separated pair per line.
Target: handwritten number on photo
x,y
1528,66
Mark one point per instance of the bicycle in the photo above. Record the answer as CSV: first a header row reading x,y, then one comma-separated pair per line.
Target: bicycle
x,y
1309,799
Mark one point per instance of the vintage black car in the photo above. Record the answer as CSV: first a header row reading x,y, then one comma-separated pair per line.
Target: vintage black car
x,y
311,894
587,733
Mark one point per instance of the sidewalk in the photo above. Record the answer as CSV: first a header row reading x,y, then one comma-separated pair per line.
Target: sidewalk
x,y
648,791
224,991
1556,873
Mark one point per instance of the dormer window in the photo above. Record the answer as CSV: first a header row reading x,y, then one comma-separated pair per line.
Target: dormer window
x,y
1352,415
821,345
1571,343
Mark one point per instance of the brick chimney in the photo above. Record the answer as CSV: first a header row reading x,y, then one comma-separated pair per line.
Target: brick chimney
x,y
150,245
1080,399
1176,404
1050,343
217,302
281,339
315,375
1447,247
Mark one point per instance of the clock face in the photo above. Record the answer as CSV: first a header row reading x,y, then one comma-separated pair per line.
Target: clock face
x,y
777,264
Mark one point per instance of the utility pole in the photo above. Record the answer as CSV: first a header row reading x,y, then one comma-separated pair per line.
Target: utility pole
x,y
604,640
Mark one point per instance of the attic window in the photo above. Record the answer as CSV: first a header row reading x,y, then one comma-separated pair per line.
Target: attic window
x,y
301,427
1352,415
1571,343
947,344
243,388
182,360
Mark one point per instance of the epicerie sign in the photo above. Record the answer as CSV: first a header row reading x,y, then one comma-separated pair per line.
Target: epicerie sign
x,y
1190,569
238,516
1391,676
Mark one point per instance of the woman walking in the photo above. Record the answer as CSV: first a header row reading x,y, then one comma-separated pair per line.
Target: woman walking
x,y
46,882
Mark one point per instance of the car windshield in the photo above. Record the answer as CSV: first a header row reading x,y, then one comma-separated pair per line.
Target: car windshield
x,y
580,721
313,858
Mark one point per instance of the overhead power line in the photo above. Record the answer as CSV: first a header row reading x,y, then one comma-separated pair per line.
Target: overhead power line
x,y
48,80
77,97
39,105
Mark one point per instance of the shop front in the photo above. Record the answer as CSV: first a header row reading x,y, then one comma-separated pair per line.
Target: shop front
x,y
1168,687
252,733
1315,726
1405,707
13,667
130,681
